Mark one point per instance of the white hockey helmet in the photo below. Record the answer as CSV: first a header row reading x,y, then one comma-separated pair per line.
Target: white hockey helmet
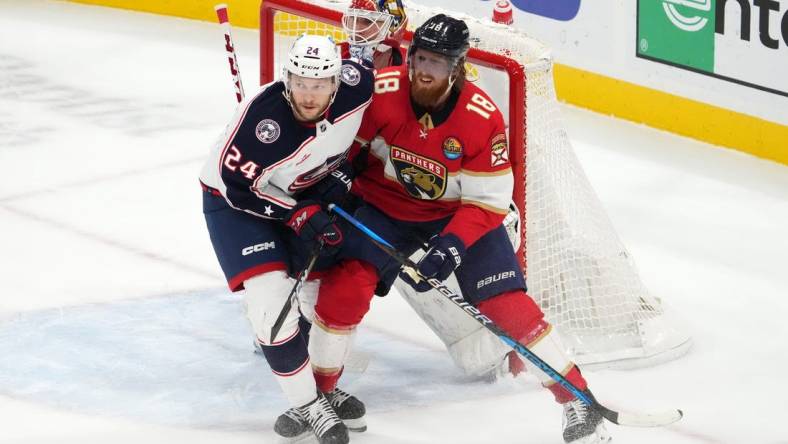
x,y
365,23
314,56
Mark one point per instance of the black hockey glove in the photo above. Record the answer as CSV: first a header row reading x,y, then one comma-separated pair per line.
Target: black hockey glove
x,y
312,224
445,253
334,187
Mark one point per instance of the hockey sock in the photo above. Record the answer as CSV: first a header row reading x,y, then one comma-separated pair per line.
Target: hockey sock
x,y
517,314
516,365
345,293
343,300
289,361
287,355
304,326
329,347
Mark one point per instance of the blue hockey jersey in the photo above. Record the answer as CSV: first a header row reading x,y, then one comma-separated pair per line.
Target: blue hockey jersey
x,y
266,157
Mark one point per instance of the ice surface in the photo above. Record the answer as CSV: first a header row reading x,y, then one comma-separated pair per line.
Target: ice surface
x,y
115,325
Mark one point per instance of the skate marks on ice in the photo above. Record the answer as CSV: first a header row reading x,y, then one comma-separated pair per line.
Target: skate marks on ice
x,y
22,82
188,360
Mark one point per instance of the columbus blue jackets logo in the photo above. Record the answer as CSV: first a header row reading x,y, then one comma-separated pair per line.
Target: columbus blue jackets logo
x,y
423,178
267,131
311,177
350,75
452,148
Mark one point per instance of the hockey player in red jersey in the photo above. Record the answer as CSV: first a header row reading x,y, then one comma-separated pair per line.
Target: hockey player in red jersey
x,y
263,183
375,29
439,173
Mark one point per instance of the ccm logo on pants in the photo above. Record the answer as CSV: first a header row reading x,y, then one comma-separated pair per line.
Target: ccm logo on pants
x,y
494,278
259,247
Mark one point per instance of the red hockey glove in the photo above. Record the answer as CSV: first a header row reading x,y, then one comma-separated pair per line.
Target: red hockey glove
x,y
445,253
312,224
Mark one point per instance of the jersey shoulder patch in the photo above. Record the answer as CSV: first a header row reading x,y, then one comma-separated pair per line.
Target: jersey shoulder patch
x,y
268,131
355,89
350,75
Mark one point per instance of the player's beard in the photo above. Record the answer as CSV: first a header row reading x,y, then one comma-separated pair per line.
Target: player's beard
x,y
428,96
309,116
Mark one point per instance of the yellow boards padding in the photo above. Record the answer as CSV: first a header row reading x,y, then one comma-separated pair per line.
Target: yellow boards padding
x,y
676,114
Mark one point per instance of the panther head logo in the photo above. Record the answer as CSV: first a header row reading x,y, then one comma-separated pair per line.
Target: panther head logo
x,y
424,182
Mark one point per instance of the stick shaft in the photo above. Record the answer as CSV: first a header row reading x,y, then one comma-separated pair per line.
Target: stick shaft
x,y
645,420
223,17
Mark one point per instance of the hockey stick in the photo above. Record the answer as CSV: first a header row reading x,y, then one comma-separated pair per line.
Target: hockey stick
x,y
293,296
221,14
620,418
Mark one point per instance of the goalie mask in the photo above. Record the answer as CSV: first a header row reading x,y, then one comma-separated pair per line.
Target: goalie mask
x,y
313,66
365,24
369,22
400,19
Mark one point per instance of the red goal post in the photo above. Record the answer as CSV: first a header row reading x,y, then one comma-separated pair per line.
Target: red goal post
x,y
513,69
577,268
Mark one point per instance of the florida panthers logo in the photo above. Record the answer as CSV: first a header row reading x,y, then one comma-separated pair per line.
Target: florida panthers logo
x,y
423,178
267,131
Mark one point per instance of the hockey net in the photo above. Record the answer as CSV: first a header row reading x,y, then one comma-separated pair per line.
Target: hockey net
x,y
577,269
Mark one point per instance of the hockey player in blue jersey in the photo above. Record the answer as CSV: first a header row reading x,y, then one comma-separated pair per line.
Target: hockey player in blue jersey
x,y
282,153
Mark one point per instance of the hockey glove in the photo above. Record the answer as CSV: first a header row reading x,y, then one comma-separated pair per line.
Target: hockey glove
x,y
334,187
444,254
312,224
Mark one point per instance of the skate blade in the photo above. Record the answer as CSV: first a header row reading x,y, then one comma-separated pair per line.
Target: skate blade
x,y
304,438
356,425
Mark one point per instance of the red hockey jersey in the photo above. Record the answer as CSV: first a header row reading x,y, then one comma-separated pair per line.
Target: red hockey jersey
x,y
421,172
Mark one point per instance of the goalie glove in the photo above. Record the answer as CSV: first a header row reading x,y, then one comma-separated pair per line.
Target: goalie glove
x,y
312,224
444,254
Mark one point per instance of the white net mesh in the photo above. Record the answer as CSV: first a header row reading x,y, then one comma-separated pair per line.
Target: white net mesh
x,y
578,270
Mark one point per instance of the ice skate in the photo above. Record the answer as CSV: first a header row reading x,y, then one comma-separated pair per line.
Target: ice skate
x,y
318,417
349,409
291,427
582,424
